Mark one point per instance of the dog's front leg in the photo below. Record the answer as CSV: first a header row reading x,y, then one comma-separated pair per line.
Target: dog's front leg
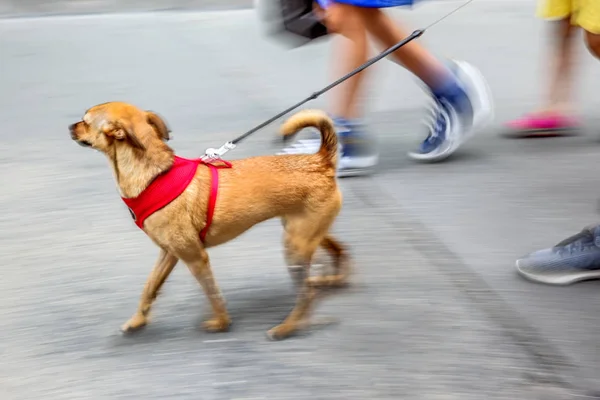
x,y
199,264
163,267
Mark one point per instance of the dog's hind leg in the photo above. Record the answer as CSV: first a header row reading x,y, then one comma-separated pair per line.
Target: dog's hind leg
x,y
303,234
341,266
163,267
198,262
299,270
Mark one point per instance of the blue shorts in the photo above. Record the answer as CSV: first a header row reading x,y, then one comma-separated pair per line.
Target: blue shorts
x,y
368,3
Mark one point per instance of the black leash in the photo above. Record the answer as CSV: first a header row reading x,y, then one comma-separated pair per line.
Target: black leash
x,y
215,154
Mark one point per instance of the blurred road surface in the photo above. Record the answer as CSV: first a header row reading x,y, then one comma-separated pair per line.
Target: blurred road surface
x,y
28,8
436,310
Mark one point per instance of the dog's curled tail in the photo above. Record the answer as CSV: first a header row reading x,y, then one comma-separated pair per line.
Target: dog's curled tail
x,y
315,119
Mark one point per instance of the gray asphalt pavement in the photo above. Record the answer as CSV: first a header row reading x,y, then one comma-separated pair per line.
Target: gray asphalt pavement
x,y
28,8
436,310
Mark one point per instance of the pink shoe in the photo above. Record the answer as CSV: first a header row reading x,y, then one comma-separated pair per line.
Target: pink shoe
x,y
543,125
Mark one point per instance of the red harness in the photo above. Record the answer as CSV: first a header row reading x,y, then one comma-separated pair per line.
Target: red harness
x,y
168,186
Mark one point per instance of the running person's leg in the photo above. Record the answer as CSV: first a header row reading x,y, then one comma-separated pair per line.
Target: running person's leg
x,y
461,98
358,150
556,115
350,50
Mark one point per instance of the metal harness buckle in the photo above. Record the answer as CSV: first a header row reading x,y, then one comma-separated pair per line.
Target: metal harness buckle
x,y
213,154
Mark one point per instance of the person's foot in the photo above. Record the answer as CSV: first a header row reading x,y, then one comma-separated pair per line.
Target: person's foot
x,y
358,153
457,112
573,260
542,124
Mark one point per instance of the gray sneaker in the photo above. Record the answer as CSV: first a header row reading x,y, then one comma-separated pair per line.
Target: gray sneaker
x,y
575,259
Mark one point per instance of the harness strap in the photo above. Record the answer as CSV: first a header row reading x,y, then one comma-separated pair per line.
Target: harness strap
x,y
212,199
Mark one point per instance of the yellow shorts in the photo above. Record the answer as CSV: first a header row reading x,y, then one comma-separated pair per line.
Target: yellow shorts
x,y
583,13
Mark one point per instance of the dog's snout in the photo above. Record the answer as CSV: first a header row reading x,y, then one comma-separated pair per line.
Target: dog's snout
x,y
72,131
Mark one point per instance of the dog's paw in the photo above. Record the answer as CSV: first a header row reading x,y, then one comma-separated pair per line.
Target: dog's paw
x,y
280,332
328,282
216,325
273,336
136,323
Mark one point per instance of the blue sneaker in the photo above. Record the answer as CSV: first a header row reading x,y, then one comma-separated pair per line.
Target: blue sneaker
x,y
358,153
573,260
456,115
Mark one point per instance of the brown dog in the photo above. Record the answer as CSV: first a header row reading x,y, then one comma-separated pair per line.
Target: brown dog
x,y
300,189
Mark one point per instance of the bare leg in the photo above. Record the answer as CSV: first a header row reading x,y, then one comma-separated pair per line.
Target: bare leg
x,y
163,267
560,85
593,43
554,118
350,54
412,56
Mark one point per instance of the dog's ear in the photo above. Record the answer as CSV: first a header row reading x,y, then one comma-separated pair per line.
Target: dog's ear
x,y
121,131
158,124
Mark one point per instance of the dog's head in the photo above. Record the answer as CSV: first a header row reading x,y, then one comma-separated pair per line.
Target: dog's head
x,y
110,124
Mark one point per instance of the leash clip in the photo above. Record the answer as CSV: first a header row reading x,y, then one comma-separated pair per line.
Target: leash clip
x,y
213,154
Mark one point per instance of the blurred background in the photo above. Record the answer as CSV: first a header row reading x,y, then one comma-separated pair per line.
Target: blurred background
x,y
436,310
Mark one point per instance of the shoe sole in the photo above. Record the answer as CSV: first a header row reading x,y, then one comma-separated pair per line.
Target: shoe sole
x,y
353,172
485,114
365,166
541,133
558,279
